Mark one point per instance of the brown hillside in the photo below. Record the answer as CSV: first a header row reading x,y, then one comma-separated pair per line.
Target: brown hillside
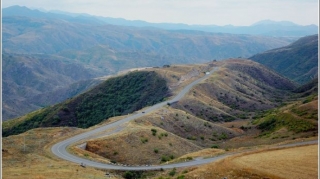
x,y
137,145
198,131
237,90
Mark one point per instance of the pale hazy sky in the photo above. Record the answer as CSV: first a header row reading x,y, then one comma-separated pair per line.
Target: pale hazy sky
x,y
218,12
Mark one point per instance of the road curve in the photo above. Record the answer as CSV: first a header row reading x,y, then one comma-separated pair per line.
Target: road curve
x,y
59,149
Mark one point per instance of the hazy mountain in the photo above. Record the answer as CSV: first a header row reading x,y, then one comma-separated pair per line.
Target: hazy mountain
x,y
297,61
265,27
49,36
25,77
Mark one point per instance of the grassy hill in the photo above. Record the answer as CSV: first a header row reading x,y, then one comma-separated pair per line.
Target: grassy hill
x,y
289,121
300,116
297,61
116,96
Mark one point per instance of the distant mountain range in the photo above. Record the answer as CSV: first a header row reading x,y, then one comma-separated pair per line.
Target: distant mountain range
x,y
297,61
265,27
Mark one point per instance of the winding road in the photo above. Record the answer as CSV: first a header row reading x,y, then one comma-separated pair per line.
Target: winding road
x,y
60,149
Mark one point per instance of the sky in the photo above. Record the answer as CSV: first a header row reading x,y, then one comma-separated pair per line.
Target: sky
x,y
204,12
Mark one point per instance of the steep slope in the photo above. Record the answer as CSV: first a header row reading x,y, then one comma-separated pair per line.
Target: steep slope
x,y
26,77
116,96
297,61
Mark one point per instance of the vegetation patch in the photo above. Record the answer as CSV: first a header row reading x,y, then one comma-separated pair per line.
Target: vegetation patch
x,y
116,96
274,122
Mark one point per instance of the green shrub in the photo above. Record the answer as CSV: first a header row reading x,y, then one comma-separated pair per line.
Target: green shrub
x,y
172,172
222,136
180,177
156,151
144,140
215,146
154,132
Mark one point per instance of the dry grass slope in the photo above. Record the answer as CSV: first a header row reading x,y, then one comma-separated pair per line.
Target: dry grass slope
x,y
34,160
290,163
141,145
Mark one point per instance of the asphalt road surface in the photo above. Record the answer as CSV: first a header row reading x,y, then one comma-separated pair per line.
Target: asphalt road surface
x,y
59,149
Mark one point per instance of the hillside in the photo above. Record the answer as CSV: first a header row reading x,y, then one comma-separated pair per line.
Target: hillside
x,y
116,96
28,78
239,90
297,61
296,118
307,89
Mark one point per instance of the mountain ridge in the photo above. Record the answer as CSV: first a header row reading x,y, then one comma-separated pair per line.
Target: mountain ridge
x,y
264,27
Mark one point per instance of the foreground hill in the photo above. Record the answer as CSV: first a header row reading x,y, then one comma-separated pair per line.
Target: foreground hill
x,y
297,61
201,121
170,134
